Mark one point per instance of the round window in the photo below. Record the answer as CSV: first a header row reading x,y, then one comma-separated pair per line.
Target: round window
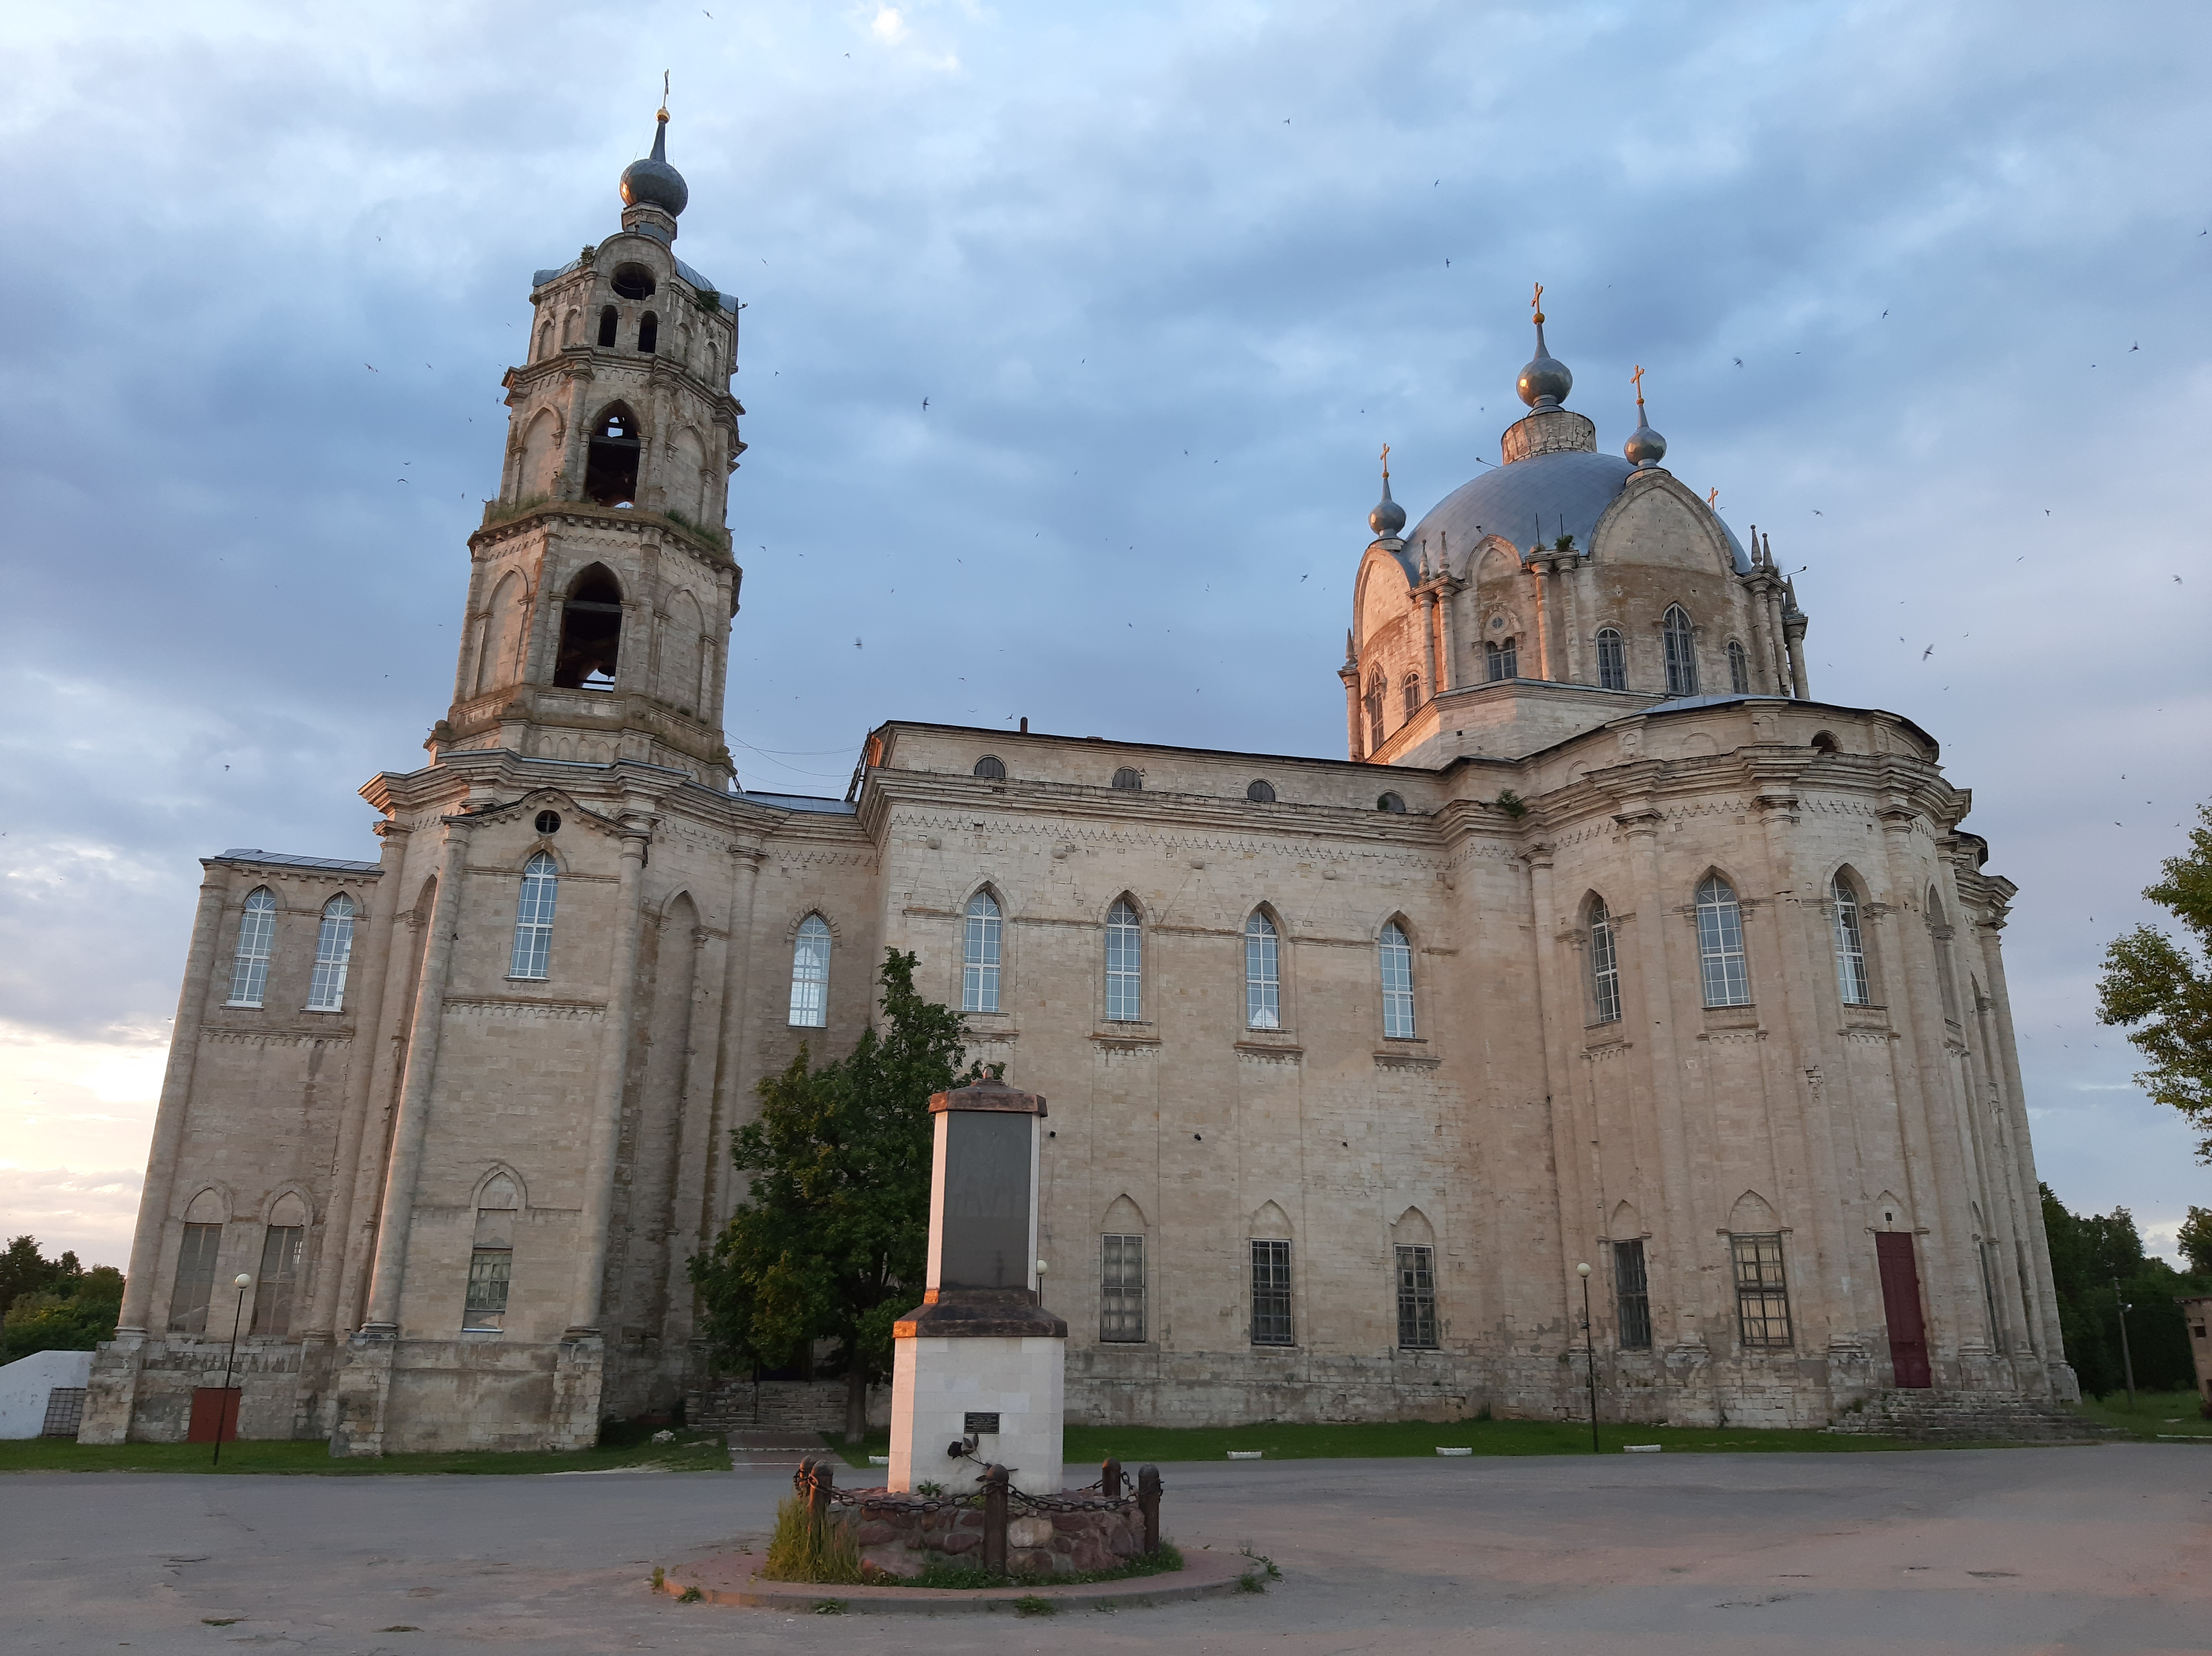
x,y
548,822
632,282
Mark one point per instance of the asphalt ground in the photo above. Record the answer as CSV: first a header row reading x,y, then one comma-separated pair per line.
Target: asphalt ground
x,y
2104,1547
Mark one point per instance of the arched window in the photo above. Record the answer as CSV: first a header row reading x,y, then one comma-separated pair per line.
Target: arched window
x,y
1374,712
1125,966
1127,780
1263,981
281,1245
1393,803
1739,669
648,334
1397,957
1612,660
1681,651
1260,793
1502,659
610,465
1604,965
333,954
608,322
257,932
991,768
533,919
491,1261
979,955
591,632
1851,946
809,974
1413,694
1720,945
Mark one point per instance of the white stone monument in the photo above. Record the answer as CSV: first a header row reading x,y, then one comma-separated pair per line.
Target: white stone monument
x,y
979,1365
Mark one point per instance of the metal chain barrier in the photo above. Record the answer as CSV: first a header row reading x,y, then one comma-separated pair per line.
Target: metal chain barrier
x,y
815,1481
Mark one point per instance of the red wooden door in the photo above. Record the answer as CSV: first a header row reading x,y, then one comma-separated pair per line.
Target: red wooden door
x,y
214,1409
1900,1303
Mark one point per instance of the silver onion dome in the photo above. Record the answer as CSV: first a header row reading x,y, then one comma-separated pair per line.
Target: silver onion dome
x,y
1644,447
1389,518
653,182
1544,382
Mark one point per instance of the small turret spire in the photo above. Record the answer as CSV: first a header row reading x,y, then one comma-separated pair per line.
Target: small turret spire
x,y
653,182
1389,518
1645,447
1545,381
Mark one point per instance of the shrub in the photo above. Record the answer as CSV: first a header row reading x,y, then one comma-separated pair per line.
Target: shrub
x,y
803,1549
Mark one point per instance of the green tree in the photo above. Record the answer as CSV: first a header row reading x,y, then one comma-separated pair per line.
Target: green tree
x,y
2158,987
76,1316
2088,1253
24,1269
2195,1237
829,1242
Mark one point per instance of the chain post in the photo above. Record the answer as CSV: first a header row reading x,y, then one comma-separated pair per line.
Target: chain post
x,y
1148,1503
994,1519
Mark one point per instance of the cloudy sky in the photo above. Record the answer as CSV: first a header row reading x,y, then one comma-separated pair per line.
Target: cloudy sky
x,y
1920,288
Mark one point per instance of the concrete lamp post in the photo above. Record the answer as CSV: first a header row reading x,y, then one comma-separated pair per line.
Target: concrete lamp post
x,y
1589,1351
241,1281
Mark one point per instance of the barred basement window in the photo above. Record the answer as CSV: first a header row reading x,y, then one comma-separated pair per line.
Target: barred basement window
x,y
333,954
195,1284
1612,660
1125,1001
1397,962
1416,1298
1681,649
1263,983
249,966
1632,1296
1762,1295
1271,1293
1720,945
809,974
1850,945
979,955
1121,1288
1605,966
533,919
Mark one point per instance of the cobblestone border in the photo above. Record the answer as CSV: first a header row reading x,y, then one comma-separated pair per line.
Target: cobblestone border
x,y
728,1579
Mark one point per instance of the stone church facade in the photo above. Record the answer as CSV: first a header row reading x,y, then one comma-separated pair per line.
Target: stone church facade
x,y
1608,944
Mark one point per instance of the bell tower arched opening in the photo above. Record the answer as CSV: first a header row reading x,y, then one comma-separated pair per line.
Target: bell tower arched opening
x,y
611,468
591,632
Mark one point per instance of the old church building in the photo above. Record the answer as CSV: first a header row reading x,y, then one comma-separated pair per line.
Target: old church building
x,y
1606,943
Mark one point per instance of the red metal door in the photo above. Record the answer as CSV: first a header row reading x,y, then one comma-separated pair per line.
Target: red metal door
x,y
214,1410
1900,1303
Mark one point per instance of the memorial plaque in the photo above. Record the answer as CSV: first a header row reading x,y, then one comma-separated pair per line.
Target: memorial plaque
x,y
982,1425
986,1200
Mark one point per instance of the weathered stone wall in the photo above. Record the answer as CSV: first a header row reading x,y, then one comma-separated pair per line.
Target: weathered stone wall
x,y
899,1536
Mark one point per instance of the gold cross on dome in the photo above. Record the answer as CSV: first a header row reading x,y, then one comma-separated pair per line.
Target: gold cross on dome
x,y
1711,495
1536,303
1386,462
1637,379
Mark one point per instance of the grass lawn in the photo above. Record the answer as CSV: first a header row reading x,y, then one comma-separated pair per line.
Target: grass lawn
x,y
702,1453
2169,1414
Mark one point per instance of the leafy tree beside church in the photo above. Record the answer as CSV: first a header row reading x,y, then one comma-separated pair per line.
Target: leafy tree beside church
x,y
54,1305
2088,1253
2159,988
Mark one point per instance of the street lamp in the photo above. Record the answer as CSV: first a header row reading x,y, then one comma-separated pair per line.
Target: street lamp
x,y
2127,1362
222,1398
1589,1351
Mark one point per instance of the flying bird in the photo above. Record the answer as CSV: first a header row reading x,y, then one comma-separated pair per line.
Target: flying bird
x,y
925,404
371,367
1739,362
1929,651
2135,347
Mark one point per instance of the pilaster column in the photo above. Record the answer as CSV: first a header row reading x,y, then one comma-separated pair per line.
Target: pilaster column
x,y
2042,1292
1777,649
732,1046
1769,681
1793,627
1556,1002
154,1200
1448,644
1429,636
1352,744
614,1062
1569,646
414,1123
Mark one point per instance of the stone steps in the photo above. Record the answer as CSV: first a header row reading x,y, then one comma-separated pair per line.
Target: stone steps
x,y
768,1448
1971,1417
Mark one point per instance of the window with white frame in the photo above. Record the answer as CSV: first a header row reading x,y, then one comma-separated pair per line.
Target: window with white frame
x,y
1271,1293
1727,981
1605,966
533,919
1416,1297
1612,660
1851,946
1125,964
979,955
1121,1288
333,954
1681,649
1762,1293
1739,669
1263,983
1502,659
1397,961
257,932
809,974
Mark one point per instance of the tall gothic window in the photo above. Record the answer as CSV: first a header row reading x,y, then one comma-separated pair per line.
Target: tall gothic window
x,y
491,1261
809,974
1739,669
533,919
1762,1291
1632,1296
1397,960
333,954
195,1283
1416,1297
1681,651
1604,965
1124,999
979,955
1612,660
1263,983
1121,1287
611,462
1375,713
1413,694
257,932
1271,1293
1720,945
1502,660
1850,945
281,1245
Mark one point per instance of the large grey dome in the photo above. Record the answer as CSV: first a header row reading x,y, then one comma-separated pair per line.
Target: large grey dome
x,y
653,182
1532,502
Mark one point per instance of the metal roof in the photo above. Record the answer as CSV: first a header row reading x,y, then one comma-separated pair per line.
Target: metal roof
x,y
801,802
1544,496
294,860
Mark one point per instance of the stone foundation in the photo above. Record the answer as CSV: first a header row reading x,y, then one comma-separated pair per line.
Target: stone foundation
x,y
900,1535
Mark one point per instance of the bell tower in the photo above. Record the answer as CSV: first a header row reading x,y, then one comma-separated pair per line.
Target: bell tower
x,y
602,589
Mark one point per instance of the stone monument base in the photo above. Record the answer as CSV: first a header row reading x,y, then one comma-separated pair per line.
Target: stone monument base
x,y
901,1537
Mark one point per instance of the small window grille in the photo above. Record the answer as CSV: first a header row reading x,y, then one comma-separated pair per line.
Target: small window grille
x,y
809,974
1260,793
1762,1295
991,768
195,1284
1271,1293
1397,984
1121,1288
1632,1296
1416,1298
1739,669
256,931
533,919
1605,966
1720,945
64,1412
1851,946
1124,965
1681,646
1263,983
281,1248
333,954
979,955
1612,660
1127,780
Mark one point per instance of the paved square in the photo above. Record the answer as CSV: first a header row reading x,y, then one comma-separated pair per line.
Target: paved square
x,y
2099,1549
